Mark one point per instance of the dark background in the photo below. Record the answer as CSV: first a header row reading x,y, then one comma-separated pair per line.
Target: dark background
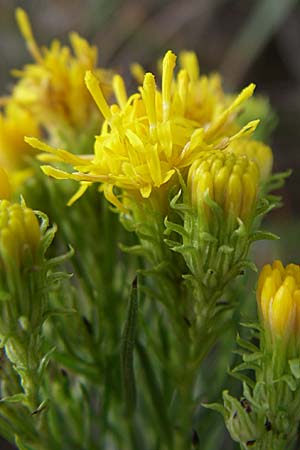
x,y
246,40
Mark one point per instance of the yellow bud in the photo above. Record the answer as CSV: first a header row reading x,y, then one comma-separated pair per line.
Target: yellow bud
x,y
266,272
278,297
230,180
19,232
282,315
267,295
256,151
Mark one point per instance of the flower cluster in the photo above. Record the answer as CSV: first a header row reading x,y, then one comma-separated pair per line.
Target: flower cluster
x,y
182,163
45,99
149,136
53,86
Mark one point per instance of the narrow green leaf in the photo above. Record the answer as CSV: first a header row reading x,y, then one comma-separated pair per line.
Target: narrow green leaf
x,y
156,395
127,350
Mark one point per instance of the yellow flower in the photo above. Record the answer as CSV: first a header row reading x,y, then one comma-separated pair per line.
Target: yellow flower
x,y
205,98
5,187
278,297
146,137
229,180
52,88
256,151
19,233
15,123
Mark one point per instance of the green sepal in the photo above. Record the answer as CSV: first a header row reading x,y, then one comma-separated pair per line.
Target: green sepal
x,y
247,345
57,277
174,227
138,250
242,377
207,237
42,406
44,221
5,296
264,207
253,325
290,381
78,366
295,367
218,407
16,398
276,181
263,235
60,259
245,366
20,444
59,312
45,361
249,357
48,238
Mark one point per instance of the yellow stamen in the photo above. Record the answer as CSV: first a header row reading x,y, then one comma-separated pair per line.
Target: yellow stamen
x,y
167,77
149,97
189,62
120,90
93,86
26,30
138,72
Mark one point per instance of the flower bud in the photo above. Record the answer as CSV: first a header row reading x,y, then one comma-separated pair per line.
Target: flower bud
x,y
257,152
19,233
229,180
278,297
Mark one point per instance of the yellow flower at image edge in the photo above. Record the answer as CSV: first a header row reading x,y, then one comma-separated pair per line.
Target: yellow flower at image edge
x,y
19,233
278,297
148,136
229,180
15,123
52,88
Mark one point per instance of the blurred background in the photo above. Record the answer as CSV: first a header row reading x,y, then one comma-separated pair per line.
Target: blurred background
x,y
249,40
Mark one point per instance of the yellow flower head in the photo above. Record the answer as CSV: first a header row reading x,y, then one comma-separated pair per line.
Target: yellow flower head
x,y
19,233
256,151
148,136
278,297
229,180
52,88
15,123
